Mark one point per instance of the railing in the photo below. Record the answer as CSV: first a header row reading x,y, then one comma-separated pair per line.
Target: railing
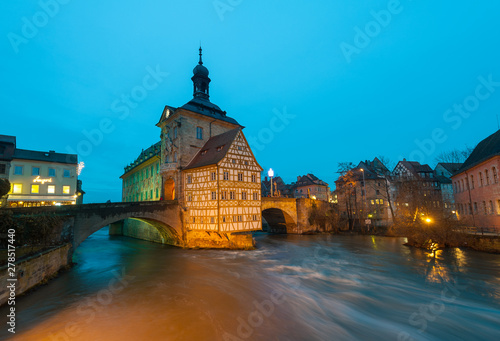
x,y
483,230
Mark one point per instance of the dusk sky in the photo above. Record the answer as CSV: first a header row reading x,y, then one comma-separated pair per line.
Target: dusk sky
x,y
314,82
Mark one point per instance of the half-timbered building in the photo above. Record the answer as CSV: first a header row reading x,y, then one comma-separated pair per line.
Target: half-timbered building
x,y
222,186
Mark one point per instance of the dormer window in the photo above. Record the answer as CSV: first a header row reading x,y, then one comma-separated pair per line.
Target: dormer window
x,y
219,148
203,152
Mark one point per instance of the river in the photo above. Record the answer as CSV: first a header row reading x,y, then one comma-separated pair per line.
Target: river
x,y
290,288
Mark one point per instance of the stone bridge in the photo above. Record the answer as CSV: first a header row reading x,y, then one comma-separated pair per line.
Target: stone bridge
x,y
83,220
162,221
290,215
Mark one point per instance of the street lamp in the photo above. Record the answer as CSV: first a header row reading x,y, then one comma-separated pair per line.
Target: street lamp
x,y
364,189
271,174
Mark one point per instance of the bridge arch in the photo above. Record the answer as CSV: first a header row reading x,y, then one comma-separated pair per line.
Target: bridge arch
x,y
279,220
162,217
280,214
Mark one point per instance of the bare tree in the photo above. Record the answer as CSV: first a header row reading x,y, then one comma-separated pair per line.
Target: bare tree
x,y
454,156
4,189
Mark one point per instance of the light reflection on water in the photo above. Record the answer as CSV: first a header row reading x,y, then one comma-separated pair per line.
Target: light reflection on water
x,y
290,288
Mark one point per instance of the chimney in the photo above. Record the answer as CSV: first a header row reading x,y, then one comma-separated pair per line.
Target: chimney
x,y
298,177
265,179
404,159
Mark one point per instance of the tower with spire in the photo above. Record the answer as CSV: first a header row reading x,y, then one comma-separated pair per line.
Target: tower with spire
x,y
200,79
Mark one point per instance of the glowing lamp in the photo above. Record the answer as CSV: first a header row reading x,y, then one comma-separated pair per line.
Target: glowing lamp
x,y
270,172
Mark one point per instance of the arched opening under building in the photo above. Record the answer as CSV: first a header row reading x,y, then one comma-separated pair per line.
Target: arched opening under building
x,y
169,189
278,221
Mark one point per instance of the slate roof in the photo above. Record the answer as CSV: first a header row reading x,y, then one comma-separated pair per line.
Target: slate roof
x,y
307,180
205,107
486,149
145,155
51,156
451,167
209,153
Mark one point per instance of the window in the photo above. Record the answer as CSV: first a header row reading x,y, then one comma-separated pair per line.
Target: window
x,y
378,192
254,178
157,193
256,196
475,207
175,157
17,188
498,206
223,195
146,195
480,179
189,179
472,181
51,189
35,171
495,177
175,132
226,175
214,195
52,172
240,218
213,176
243,195
484,207
35,189
199,133
240,176
190,198
231,195
223,219
2,168
234,160
66,173
67,189
194,220
212,220
487,175
492,208
234,218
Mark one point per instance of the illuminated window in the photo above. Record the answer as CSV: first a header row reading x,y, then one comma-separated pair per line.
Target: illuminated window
x,y
51,189
199,133
66,189
35,189
18,170
66,173
17,188
52,172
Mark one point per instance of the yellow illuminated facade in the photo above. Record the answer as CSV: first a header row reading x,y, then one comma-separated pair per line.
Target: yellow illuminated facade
x,y
141,180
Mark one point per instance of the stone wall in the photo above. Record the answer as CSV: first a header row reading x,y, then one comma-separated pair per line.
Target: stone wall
x,y
35,270
214,240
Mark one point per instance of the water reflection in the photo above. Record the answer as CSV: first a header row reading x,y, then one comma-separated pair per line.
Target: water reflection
x,y
290,288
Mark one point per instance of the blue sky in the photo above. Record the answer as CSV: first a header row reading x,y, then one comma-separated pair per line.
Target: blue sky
x,y
314,83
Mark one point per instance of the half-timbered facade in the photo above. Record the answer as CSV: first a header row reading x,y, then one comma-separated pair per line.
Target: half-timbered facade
x,y
222,186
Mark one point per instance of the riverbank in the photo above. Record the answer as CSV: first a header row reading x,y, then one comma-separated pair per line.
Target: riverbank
x,y
33,271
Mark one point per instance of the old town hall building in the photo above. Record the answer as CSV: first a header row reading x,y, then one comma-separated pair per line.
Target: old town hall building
x,y
206,164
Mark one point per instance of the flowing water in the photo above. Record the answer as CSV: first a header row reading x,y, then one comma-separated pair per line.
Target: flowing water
x,y
290,288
